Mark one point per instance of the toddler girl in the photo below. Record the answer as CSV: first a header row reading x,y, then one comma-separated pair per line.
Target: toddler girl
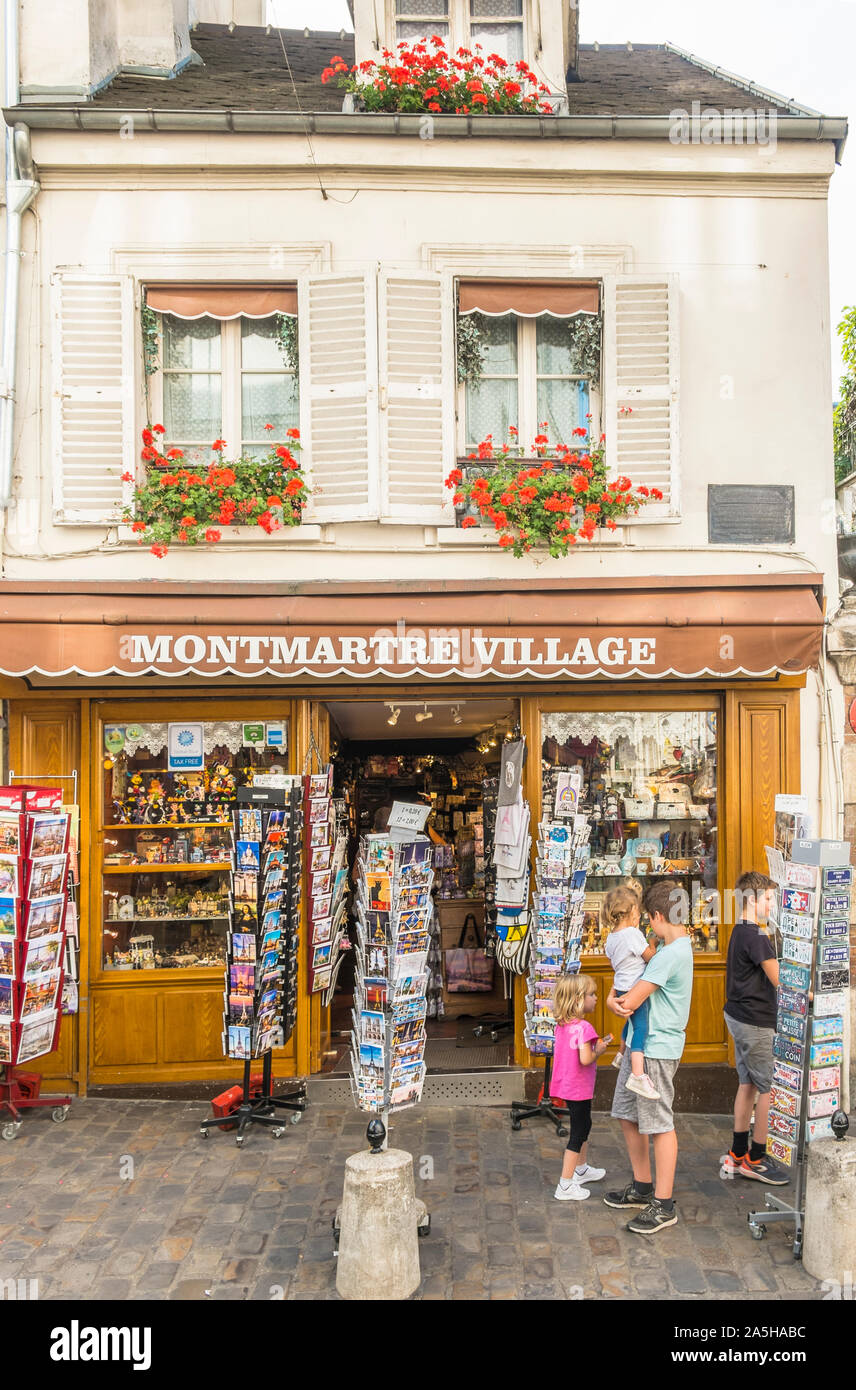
x,y
628,955
575,1053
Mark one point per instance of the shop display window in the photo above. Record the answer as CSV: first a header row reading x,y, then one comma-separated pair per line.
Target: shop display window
x,y
167,841
650,795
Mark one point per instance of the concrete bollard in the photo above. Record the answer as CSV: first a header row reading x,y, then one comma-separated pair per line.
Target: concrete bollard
x,y
378,1242
829,1248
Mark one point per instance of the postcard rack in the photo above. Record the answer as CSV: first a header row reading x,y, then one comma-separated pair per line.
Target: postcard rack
x,y
34,916
393,909
262,960
557,923
812,1002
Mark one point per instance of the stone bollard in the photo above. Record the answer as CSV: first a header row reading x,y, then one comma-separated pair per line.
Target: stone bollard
x,y
829,1248
378,1242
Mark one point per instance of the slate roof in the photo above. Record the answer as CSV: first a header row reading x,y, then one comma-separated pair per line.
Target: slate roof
x,y
246,70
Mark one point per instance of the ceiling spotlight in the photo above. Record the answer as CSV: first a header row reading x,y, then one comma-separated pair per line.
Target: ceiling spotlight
x,y
394,713
457,717
424,714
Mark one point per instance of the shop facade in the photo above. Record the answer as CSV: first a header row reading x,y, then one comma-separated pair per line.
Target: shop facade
x,y
708,672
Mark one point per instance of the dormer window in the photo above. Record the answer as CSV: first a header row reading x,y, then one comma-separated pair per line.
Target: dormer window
x,y
497,25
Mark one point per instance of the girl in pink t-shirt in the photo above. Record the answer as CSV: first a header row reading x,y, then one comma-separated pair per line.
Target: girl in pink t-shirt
x,y
575,1053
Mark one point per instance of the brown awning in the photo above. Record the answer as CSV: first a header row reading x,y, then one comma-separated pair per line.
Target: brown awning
x,y
528,298
620,629
222,301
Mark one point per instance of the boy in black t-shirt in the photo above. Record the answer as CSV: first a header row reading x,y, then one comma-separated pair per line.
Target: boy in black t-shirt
x,y
751,978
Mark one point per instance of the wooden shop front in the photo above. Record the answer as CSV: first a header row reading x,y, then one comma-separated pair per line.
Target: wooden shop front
x,y
619,677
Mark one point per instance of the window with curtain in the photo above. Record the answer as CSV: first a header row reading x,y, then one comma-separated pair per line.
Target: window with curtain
x,y
498,26
223,373
495,24
419,19
527,381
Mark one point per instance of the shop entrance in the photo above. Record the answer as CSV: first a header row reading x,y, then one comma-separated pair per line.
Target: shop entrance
x,y
437,751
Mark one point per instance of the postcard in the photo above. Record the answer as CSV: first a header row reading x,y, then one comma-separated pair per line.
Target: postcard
x,y
319,785
242,978
9,878
47,877
42,955
5,1041
250,824
377,927
243,946
241,1009
321,955
9,916
372,1027
240,1040
377,961
245,887
319,834
37,1036
248,856
40,993
411,921
243,915
7,956
319,810
412,899
322,930
320,858
321,906
10,834
416,853
375,993
322,978
6,993
321,883
379,892
48,836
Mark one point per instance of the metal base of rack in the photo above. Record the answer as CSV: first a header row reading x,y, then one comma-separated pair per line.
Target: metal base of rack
x,y
777,1209
259,1110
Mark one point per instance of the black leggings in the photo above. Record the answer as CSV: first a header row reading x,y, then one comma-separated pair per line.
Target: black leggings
x,y
579,1112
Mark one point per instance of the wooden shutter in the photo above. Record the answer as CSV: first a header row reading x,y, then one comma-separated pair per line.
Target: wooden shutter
x,y
641,361
93,395
417,379
337,317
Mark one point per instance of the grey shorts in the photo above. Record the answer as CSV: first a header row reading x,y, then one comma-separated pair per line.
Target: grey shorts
x,y
753,1053
651,1116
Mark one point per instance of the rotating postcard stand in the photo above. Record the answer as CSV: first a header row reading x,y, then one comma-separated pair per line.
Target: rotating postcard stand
x,y
261,973
814,881
557,925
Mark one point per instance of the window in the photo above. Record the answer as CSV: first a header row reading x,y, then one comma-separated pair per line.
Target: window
x,y
495,24
225,378
419,19
527,381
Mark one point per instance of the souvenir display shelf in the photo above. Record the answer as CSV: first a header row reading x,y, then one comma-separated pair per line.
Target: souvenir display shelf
x,y
167,845
649,793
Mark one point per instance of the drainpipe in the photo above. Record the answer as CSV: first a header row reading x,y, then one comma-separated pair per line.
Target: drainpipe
x,y
21,190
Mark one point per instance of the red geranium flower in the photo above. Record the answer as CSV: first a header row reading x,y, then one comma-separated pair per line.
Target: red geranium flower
x,y
468,521
159,550
211,534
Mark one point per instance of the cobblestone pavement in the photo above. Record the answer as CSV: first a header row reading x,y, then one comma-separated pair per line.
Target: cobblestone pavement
x,y
125,1200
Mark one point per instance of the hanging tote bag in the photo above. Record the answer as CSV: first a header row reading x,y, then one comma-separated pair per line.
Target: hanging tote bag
x,y
468,969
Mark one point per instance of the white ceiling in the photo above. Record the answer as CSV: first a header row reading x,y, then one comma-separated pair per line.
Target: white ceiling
x,y
366,720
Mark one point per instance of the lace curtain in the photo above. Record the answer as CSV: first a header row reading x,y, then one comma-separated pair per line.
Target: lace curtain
x,y
221,733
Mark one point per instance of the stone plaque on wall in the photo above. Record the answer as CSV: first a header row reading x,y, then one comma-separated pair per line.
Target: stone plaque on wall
x,y
749,514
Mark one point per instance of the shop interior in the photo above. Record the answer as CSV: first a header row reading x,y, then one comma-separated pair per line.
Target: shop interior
x,y
438,751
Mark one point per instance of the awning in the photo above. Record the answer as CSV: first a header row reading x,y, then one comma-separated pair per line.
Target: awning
x,y
546,631
220,301
528,298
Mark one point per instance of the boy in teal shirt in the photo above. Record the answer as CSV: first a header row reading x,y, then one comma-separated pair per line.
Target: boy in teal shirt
x,y
668,984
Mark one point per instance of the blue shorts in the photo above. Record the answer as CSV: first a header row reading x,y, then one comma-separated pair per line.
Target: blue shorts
x,y
635,1030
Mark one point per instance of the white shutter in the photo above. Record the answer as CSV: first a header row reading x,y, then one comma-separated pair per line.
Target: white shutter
x,y
93,395
641,357
417,379
337,318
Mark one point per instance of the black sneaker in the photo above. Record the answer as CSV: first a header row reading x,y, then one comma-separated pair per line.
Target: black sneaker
x,y
652,1219
628,1198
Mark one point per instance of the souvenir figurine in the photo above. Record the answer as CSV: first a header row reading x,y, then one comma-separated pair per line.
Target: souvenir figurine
x,y
197,855
135,800
120,814
222,786
155,810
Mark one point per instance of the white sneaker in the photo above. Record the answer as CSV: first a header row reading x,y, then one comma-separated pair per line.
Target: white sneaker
x,y
589,1174
641,1086
617,1060
572,1193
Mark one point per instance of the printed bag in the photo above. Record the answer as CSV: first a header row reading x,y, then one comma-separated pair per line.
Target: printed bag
x,y
468,969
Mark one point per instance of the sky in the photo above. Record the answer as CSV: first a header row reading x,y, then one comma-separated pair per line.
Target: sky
x,y
802,50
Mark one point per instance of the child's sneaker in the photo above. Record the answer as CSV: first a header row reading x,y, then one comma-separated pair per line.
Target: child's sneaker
x,y
641,1086
589,1174
729,1165
617,1060
573,1192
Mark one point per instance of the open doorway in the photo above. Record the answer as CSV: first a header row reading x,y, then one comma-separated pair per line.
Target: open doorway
x,y
439,751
